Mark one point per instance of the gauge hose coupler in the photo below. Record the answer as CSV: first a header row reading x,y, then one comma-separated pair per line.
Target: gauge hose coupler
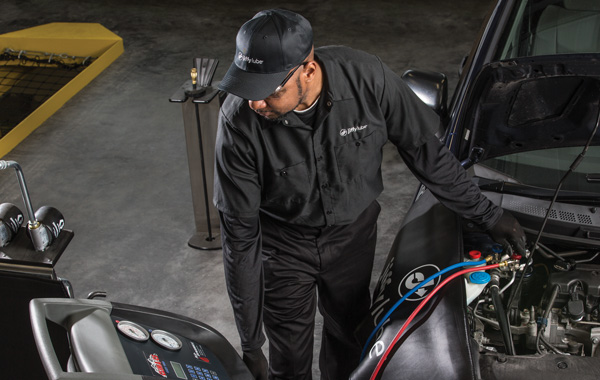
x,y
509,265
45,228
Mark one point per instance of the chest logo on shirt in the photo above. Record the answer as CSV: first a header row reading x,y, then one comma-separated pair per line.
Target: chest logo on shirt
x,y
346,131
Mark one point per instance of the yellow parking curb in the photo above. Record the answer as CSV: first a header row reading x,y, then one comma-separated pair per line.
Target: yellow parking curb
x,y
76,39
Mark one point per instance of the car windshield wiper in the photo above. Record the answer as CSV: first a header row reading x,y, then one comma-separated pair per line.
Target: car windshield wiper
x,y
567,196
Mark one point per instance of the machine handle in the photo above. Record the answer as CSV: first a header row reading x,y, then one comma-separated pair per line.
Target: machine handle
x,y
92,336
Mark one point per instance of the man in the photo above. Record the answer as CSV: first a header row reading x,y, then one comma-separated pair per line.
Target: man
x,y
298,171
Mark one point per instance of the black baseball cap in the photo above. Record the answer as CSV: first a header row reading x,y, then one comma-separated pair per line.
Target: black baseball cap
x,y
268,46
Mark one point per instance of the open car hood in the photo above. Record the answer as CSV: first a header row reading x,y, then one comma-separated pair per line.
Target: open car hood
x,y
533,103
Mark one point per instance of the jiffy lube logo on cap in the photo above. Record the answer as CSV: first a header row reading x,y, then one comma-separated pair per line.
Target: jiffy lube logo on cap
x,y
245,58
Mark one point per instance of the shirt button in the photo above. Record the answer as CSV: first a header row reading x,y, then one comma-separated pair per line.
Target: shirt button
x,y
286,122
319,158
329,103
357,143
324,186
329,212
283,173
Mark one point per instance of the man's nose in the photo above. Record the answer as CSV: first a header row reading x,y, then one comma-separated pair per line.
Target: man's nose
x,y
257,104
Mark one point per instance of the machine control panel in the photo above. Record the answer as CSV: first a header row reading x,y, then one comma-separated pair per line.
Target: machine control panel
x,y
159,353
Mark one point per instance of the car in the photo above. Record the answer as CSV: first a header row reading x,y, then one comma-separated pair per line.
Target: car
x,y
450,302
524,121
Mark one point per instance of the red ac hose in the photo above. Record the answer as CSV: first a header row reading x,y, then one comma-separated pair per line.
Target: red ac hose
x,y
419,307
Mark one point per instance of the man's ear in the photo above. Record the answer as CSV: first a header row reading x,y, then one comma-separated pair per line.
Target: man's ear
x,y
310,70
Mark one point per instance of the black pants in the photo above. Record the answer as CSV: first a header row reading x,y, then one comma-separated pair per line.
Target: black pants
x,y
305,267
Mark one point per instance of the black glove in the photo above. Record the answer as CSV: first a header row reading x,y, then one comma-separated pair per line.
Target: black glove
x,y
257,363
507,230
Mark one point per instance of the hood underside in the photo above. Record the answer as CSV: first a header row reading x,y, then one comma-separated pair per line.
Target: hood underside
x,y
534,103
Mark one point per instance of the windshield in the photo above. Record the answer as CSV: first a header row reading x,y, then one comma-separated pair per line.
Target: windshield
x,y
550,27
545,168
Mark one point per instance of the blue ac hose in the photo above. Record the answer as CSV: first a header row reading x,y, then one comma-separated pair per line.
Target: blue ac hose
x,y
393,308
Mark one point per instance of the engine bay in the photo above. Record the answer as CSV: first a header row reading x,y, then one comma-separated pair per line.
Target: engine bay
x,y
550,305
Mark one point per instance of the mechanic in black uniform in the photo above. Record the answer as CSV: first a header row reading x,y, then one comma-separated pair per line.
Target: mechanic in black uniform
x,y
298,171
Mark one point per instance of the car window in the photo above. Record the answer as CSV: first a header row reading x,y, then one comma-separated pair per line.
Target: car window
x,y
545,168
550,27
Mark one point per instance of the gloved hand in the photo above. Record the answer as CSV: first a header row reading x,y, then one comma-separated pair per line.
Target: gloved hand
x,y
507,230
257,363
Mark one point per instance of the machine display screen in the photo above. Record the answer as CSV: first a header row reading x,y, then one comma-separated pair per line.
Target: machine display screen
x,y
178,369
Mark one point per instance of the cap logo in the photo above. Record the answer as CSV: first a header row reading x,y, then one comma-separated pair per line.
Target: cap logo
x,y
245,58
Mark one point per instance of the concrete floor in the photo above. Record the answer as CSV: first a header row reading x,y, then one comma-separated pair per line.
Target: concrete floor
x,y
113,159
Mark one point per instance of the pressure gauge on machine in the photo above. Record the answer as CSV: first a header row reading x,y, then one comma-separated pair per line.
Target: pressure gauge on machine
x,y
166,340
133,331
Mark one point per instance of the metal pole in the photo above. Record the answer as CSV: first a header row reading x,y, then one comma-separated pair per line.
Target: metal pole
x,y
199,91
210,236
22,185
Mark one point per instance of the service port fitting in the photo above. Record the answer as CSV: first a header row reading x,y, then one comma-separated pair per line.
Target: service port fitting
x,y
509,265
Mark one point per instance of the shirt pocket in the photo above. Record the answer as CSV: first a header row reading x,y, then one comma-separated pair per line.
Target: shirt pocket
x,y
359,157
288,185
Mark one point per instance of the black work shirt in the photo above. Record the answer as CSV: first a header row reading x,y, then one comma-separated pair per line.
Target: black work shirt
x,y
326,173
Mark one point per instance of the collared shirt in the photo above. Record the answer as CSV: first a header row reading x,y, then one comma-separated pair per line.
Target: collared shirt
x,y
326,173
